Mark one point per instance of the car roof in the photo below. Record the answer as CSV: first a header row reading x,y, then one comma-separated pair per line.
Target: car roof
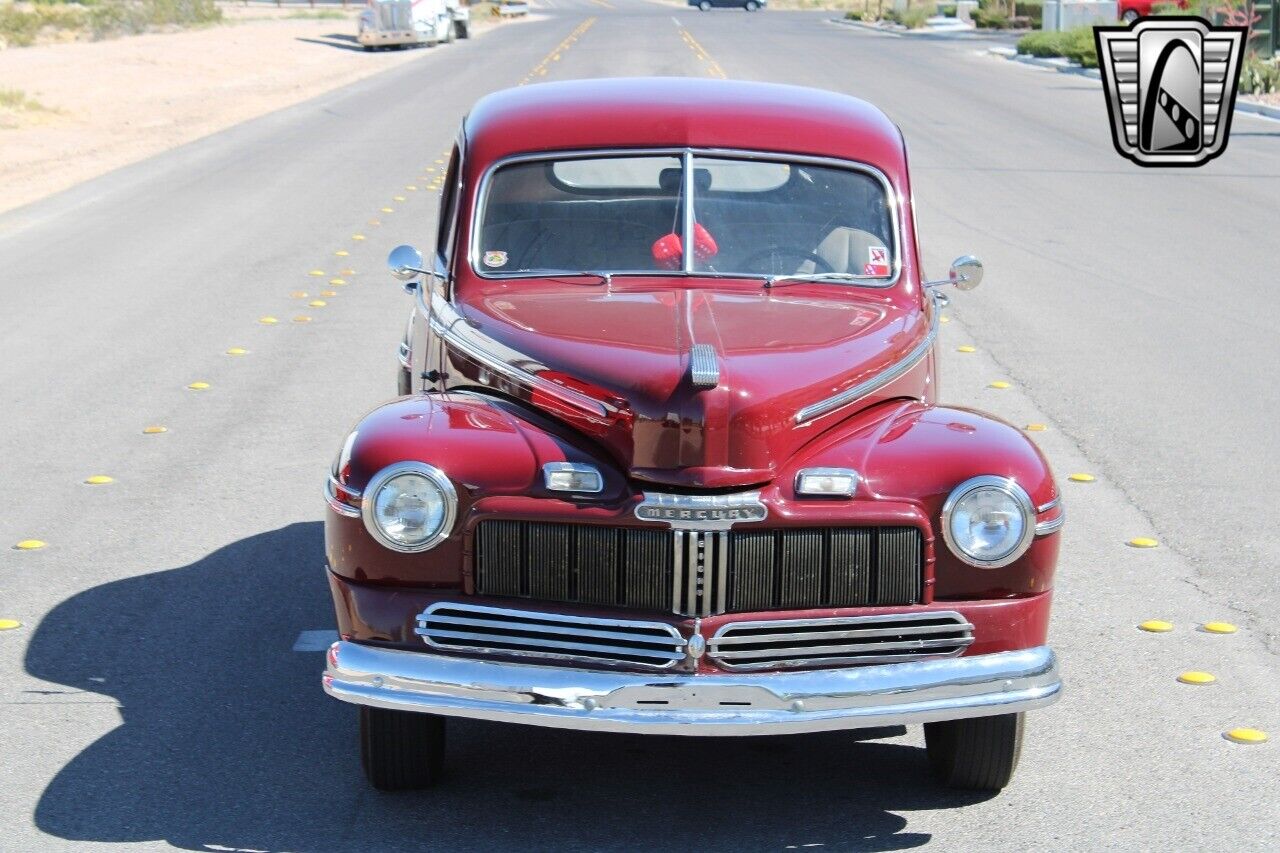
x,y
677,112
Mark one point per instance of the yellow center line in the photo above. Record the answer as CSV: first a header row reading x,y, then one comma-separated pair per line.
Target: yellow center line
x,y
713,68
540,70
603,3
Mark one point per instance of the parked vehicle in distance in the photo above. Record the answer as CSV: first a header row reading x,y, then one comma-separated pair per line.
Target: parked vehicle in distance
x,y
1131,10
404,23
708,5
668,457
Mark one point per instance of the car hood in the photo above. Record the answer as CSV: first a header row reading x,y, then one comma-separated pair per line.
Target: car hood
x,y
776,352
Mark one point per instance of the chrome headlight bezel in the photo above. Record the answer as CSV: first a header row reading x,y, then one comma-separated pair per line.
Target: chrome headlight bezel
x,y
431,473
1011,489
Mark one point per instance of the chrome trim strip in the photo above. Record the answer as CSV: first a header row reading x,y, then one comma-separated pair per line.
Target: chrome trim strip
x,y
704,369
688,255
341,508
574,468
1016,492
1050,505
1052,525
677,574
454,329
722,570
884,377
406,356
676,703
432,473
686,154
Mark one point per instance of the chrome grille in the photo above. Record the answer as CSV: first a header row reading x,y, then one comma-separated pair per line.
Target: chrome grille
x,y
700,573
497,630
857,639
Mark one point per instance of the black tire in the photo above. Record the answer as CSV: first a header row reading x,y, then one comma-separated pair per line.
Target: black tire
x,y
464,30
404,382
705,6
1129,17
978,754
751,5
401,750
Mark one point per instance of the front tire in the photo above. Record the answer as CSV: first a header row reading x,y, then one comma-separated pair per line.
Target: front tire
x,y
978,754
752,5
704,6
401,750
463,30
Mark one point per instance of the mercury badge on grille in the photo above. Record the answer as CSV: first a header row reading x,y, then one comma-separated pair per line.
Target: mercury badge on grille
x,y
702,512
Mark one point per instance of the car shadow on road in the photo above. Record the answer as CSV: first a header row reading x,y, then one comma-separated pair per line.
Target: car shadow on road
x,y
227,742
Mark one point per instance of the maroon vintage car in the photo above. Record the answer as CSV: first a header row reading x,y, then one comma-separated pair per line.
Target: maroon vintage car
x,y
667,457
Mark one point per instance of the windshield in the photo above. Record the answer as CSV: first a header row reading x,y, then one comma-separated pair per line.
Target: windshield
x,y
635,214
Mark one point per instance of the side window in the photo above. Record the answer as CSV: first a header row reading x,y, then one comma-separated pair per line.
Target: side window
x,y
448,218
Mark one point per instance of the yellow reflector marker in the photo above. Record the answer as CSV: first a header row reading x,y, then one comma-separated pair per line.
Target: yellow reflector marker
x,y
199,386
411,187
1218,627
1082,478
317,303
385,210
339,281
1194,677
1035,427
98,480
268,321
154,430
398,198
341,253
316,272
1143,542
30,545
299,294
347,271
1000,383
357,236
966,348
438,162
1156,626
302,318
328,294
237,351
9,624
944,319
1245,736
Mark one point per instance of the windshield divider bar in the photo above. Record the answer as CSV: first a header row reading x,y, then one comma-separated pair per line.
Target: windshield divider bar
x,y
686,240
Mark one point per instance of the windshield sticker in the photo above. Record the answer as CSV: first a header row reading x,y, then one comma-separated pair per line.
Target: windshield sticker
x,y
495,259
879,261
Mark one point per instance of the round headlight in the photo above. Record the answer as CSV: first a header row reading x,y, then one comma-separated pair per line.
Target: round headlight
x,y
410,506
988,521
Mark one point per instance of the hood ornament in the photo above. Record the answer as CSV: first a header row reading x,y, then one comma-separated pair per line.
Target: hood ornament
x,y
704,368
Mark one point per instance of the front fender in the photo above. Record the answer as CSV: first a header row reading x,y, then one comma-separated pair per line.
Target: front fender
x,y
914,453
486,447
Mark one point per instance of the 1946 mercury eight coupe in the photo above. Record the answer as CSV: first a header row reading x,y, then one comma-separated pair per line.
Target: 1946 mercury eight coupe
x,y
667,456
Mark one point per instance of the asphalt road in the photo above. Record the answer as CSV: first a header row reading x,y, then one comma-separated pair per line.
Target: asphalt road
x,y
151,696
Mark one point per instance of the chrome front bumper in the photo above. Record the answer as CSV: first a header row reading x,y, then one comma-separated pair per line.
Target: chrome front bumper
x,y
686,704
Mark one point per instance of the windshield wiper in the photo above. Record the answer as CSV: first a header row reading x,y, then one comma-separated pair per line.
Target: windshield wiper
x,y
606,278
796,278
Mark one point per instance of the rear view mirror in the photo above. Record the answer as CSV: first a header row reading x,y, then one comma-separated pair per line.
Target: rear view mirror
x,y
405,262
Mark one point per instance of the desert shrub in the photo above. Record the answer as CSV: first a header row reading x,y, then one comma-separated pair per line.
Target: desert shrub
x,y
1259,76
103,18
1076,45
990,19
912,19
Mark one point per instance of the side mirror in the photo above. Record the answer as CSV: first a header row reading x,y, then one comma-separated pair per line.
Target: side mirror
x,y
966,272
405,262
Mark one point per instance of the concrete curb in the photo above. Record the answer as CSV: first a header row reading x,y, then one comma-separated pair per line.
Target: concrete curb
x,y
957,34
1066,66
